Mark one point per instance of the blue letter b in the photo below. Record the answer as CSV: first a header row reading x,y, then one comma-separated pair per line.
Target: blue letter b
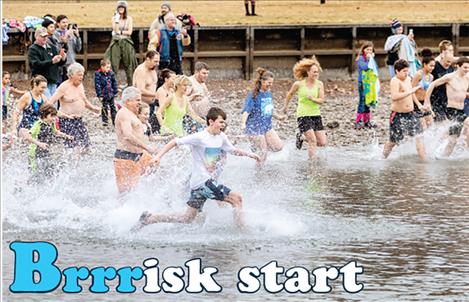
x,y
25,267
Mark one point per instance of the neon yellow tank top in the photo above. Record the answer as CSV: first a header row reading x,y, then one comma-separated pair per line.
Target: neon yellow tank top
x,y
306,107
173,116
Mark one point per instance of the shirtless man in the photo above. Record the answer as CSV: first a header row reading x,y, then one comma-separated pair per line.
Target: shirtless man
x,y
132,158
71,95
198,97
403,121
145,79
457,84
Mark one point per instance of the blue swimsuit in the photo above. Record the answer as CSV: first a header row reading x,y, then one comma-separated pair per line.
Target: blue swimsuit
x,y
31,113
425,84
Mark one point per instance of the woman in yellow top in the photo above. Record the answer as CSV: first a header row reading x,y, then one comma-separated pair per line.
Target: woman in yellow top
x,y
173,108
310,92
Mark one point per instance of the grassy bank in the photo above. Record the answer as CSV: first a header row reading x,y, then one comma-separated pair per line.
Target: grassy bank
x,y
91,13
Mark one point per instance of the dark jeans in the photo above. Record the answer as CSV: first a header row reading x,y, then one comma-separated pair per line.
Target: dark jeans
x,y
172,65
108,105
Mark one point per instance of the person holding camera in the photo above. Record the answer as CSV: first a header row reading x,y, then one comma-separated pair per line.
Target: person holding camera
x,y
400,46
70,39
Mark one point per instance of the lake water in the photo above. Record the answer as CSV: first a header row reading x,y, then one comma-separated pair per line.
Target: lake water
x,y
405,221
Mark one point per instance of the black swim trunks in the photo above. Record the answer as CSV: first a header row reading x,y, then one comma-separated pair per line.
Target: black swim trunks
x,y
458,116
4,112
306,123
209,190
403,124
76,128
419,113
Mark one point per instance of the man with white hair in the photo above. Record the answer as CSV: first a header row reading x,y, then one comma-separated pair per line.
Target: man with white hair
x,y
158,23
132,158
73,101
171,42
45,60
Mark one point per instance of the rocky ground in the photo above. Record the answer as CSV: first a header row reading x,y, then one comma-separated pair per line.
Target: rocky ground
x,y
340,107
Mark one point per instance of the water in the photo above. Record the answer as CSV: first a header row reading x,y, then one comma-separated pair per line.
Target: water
x,y
405,221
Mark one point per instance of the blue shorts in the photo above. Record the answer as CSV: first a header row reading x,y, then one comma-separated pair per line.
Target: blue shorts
x,y
4,112
466,106
209,190
260,130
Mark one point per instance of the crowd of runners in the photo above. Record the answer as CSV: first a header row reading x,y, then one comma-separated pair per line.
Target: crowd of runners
x,y
162,105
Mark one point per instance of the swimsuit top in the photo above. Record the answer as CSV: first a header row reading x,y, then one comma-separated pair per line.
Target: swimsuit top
x,y
425,84
173,116
306,107
31,113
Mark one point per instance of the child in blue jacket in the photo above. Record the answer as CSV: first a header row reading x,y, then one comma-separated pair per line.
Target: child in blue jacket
x,y
106,90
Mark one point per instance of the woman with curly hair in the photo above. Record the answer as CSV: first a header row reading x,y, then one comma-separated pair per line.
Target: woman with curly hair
x,y
310,92
257,116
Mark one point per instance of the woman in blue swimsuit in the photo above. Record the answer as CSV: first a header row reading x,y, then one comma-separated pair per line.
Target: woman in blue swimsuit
x,y
28,107
423,78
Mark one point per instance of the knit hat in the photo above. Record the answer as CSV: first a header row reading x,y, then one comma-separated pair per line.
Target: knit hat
x,y
47,21
395,24
122,3
167,5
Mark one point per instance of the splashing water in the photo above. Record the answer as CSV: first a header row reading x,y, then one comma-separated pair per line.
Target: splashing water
x,y
401,218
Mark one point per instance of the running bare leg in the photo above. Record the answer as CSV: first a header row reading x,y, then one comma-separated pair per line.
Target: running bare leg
x,y
236,202
388,148
274,142
184,217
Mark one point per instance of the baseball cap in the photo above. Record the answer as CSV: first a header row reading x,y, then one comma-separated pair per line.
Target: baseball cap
x,y
41,31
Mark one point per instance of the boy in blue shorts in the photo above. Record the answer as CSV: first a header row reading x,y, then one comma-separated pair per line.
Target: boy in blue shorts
x,y
207,149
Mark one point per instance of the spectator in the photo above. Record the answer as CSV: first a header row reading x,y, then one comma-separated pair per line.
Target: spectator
x,y
70,40
45,60
400,46
158,23
61,32
105,84
122,46
52,40
171,44
253,7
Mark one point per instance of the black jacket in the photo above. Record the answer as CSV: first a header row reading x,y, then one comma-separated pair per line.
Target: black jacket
x,y
40,61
